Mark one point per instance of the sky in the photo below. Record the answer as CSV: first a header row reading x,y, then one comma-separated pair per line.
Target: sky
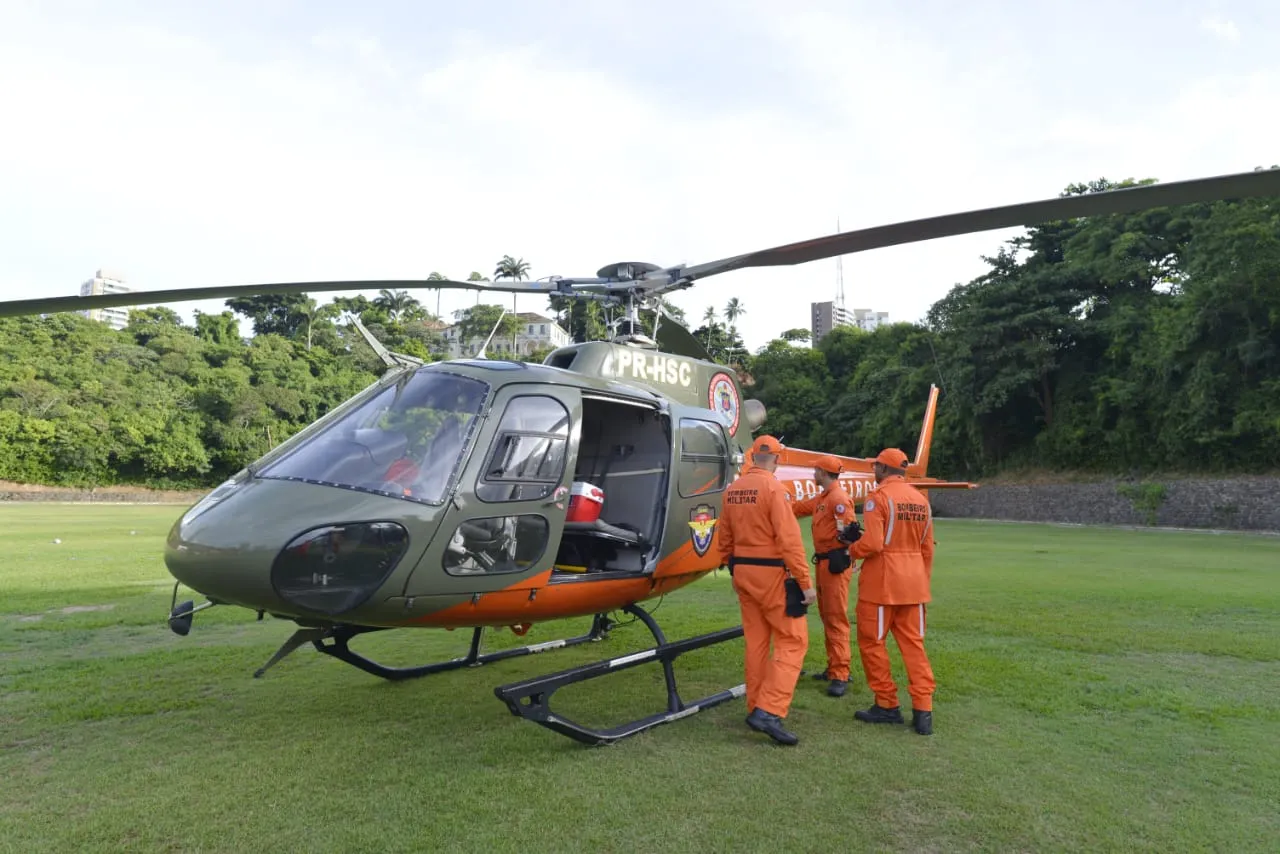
x,y
254,141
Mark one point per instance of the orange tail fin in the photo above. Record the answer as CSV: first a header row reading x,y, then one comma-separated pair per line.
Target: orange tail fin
x,y
920,464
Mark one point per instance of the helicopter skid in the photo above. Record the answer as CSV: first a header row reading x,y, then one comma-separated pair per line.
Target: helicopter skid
x,y
530,699
340,636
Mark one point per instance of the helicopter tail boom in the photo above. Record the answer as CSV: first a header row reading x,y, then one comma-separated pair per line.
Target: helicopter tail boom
x,y
795,465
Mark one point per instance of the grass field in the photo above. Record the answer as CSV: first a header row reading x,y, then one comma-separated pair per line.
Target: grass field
x,y
1098,690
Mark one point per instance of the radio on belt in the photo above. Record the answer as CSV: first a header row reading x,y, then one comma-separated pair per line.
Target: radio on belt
x,y
585,501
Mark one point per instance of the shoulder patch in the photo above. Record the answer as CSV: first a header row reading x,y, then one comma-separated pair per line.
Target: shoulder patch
x,y
870,505
840,509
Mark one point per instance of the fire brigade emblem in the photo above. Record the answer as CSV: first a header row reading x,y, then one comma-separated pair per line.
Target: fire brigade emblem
x,y
722,398
702,524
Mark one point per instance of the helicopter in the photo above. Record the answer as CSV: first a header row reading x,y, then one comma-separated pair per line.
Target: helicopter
x,y
484,493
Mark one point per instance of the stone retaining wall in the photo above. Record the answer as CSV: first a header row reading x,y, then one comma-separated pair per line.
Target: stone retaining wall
x,y
87,496
1243,504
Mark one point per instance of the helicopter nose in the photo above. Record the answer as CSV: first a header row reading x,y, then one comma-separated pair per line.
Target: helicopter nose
x,y
291,549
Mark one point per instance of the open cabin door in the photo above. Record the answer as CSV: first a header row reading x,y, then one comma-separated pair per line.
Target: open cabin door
x,y
624,459
507,517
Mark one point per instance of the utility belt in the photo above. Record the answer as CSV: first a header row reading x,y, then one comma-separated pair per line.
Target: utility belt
x,y
795,597
838,560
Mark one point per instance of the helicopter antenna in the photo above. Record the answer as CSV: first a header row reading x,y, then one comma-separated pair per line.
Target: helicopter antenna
x,y
390,358
492,332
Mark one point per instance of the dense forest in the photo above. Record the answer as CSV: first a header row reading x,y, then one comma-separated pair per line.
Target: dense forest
x,y
1125,344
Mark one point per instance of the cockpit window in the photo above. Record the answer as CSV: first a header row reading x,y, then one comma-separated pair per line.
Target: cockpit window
x,y
407,441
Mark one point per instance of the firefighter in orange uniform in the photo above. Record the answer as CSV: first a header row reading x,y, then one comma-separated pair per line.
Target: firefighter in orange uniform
x,y
760,542
832,513
893,589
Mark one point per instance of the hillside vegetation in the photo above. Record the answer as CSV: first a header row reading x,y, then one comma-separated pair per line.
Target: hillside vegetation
x,y
1128,343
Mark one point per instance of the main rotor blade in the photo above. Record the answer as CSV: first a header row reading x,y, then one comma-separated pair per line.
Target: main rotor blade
x,y
50,305
1121,200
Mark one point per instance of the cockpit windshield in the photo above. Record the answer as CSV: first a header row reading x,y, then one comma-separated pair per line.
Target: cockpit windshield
x,y
406,441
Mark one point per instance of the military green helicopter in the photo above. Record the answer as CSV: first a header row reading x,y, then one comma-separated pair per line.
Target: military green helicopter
x,y
478,493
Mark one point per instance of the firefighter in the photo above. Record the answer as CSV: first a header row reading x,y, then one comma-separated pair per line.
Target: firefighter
x,y
832,513
896,549
760,542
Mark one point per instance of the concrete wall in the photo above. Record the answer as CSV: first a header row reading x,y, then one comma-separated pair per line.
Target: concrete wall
x,y
1251,504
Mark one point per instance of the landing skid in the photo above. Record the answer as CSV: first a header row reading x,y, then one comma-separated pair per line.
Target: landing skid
x,y
530,699
340,636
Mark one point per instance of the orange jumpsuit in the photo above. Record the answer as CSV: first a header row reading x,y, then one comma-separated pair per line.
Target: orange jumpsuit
x,y
893,589
757,522
833,588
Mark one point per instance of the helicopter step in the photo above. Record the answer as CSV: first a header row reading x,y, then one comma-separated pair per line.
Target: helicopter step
x,y
341,635
530,699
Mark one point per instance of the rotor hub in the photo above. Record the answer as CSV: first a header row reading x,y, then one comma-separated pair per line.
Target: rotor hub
x,y
627,271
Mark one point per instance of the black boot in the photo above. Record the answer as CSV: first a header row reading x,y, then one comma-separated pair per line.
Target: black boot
x,y
771,725
821,675
922,722
837,687
879,715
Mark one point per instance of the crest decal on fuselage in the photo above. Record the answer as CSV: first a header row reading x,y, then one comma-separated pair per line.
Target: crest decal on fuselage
x,y
722,398
702,527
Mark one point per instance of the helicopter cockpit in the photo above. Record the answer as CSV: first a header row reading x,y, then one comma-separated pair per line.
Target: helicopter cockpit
x,y
406,441
412,438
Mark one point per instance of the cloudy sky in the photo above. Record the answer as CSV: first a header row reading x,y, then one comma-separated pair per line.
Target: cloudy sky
x,y
191,144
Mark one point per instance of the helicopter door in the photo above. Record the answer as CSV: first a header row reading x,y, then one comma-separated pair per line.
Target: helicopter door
x,y
509,511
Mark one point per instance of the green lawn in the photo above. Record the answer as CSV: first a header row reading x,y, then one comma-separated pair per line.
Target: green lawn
x,y
1098,690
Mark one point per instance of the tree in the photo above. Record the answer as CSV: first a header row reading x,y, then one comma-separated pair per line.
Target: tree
x,y
437,277
797,334
723,345
708,323
272,314
732,312
222,328
398,304
515,269
583,320
477,322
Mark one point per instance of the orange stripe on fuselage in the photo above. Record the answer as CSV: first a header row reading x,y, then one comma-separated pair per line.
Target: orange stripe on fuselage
x,y
512,605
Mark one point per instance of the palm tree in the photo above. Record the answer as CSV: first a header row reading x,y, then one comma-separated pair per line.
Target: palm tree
x,y
515,269
437,277
476,277
395,302
709,321
732,312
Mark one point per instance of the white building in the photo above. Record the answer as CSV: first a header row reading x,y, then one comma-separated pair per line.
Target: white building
x,y
106,282
865,318
828,315
536,332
